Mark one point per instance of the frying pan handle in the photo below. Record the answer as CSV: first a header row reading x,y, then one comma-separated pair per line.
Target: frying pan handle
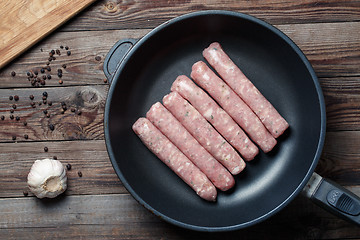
x,y
115,56
334,198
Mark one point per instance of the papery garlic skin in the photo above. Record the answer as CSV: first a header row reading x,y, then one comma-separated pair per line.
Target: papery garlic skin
x,y
47,178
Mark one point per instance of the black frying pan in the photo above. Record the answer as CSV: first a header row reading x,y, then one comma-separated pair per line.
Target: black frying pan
x,y
141,73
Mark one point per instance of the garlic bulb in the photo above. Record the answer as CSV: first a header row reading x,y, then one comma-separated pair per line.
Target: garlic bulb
x,y
47,178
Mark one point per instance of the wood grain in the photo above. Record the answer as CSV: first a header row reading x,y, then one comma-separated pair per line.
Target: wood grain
x,y
26,22
121,217
89,157
332,48
86,122
116,14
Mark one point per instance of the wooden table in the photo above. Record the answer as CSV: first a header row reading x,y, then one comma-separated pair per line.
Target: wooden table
x,y
96,205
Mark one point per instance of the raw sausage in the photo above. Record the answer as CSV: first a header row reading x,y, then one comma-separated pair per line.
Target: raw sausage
x,y
168,153
185,142
235,78
207,136
212,112
233,105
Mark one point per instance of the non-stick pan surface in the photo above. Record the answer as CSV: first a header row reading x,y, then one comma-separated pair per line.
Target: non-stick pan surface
x,y
274,64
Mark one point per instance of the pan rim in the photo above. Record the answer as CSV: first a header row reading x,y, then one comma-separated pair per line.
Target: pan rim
x,y
315,81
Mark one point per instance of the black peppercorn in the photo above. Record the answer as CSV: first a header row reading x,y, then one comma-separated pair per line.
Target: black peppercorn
x,y
28,74
11,117
2,117
55,157
59,74
72,109
16,97
64,65
52,51
31,97
36,72
42,70
68,166
25,123
80,174
25,193
49,76
11,97
60,81
26,136
66,48
14,106
45,94
58,52
48,68
68,53
14,138
17,118
49,103
46,149
13,73
42,82
61,46
12,110
97,58
45,111
52,127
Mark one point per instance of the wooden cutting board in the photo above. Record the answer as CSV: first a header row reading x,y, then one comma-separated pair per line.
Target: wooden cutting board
x,y
25,22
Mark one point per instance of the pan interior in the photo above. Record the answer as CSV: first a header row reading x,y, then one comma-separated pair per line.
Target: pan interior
x,y
274,67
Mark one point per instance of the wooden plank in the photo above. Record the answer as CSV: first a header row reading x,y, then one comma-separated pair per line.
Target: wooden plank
x,y
121,217
342,103
89,157
86,122
82,66
148,14
330,53
339,162
26,22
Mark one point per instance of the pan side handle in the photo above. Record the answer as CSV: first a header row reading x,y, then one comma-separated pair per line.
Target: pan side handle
x,y
333,198
115,56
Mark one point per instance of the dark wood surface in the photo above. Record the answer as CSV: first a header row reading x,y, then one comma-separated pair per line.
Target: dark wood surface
x,y
96,205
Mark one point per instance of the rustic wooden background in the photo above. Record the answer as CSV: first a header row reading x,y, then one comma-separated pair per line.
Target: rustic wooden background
x,y
97,205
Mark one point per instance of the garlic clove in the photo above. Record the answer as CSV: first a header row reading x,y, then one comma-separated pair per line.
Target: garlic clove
x,y
47,178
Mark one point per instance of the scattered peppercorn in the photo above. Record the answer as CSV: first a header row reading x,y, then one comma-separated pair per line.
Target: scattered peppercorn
x,y
48,115
52,127
49,103
50,59
52,51
2,117
31,97
68,166
49,76
60,81
80,174
53,58
42,70
36,72
14,106
59,74
72,109
42,82
66,48
25,193
97,58
105,80
45,111
44,101
26,136
17,118
64,65
13,73
11,117
44,77
25,123
16,97
48,63
46,149
11,98
59,70
68,53
58,52
61,46
14,138
55,157
48,68
28,74
78,112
